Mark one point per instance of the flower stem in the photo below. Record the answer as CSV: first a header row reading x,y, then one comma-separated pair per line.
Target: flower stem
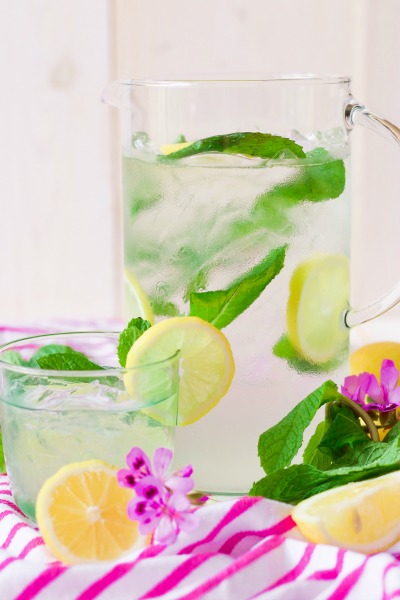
x,y
359,412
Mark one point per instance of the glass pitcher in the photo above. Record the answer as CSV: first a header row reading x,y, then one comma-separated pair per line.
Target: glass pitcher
x,y
242,188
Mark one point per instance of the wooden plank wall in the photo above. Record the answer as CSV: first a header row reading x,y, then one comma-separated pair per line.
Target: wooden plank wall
x,y
60,248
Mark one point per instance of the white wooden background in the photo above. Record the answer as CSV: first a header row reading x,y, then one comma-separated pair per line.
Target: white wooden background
x,y
60,234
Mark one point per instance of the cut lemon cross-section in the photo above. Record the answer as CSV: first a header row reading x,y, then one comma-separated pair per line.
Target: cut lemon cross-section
x,y
207,365
137,303
362,516
318,298
81,512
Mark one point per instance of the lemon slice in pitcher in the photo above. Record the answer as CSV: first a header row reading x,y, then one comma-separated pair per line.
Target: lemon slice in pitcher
x,y
137,303
318,297
207,365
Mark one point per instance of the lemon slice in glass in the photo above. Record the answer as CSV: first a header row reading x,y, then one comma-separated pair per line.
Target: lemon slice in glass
x,y
318,298
81,512
137,303
206,370
362,516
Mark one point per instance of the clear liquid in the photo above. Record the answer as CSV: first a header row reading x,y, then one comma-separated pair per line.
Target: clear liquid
x,y
38,442
194,225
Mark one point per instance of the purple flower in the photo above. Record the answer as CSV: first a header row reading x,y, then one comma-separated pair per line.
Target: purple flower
x,y
161,502
366,391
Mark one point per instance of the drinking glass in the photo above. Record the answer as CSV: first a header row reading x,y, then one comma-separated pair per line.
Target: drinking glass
x,y
50,418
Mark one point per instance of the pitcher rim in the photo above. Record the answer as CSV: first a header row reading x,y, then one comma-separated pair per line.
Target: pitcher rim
x,y
268,78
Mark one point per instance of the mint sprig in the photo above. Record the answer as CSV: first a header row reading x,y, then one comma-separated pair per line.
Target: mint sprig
x,y
221,307
344,448
135,328
262,145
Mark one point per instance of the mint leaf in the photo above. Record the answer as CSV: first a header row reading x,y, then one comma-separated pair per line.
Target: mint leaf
x,y
135,328
2,461
393,436
47,351
279,444
298,482
263,145
345,431
313,454
223,306
164,308
284,349
13,358
68,361
369,453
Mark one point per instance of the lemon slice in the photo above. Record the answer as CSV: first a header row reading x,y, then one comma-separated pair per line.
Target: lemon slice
x,y
207,365
169,148
136,302
362,516
81,512
318,298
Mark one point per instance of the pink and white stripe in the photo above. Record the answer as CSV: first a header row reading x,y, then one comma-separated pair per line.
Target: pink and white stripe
x,y
246,549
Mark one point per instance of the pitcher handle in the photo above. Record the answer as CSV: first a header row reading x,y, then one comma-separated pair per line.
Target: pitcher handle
x,y
358,114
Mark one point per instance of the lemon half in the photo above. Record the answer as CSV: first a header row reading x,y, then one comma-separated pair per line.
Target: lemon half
x,y
81,512
362,516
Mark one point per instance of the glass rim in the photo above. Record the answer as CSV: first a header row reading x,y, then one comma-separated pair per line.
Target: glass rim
x,y
266,79
96,374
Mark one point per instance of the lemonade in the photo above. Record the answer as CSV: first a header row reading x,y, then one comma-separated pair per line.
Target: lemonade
x,y
215,223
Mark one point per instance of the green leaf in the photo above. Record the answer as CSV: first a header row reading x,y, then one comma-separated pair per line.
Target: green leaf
x,y
393,436
13,358
68,361
345,431
223,306
284,349
263,145
164,308
48,351
313,455
135,328
2,461
367,453
298,482
279,444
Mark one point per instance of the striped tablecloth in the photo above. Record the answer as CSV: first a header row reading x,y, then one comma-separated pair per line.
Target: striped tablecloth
x,y
243,549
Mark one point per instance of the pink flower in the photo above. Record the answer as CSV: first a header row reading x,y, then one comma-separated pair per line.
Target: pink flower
x,y
366,391
161,502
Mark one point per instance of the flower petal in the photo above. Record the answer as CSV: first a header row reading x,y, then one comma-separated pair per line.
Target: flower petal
x,y
167,530
389,375
150,488
178,502
126,478
181,484
394,396
373,389
188,521
350,386
138,462
161,460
